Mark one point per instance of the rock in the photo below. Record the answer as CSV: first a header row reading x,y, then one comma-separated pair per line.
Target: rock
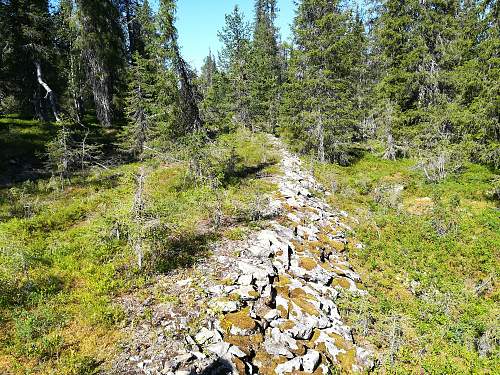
x,y
301,331
287,192
277,348
267,294
283,233
259,272
310,361
304,192
290,366
220,349
268,237
245,279
282,306
246,293
183,283
199,355
182,359
262,284
225,306
259,251
272,315
240,323
235,351
216,290
317,274
204,335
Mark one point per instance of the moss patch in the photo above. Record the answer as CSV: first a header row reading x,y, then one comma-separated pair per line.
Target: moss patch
x,y
247,344
307,263
342,282
240,319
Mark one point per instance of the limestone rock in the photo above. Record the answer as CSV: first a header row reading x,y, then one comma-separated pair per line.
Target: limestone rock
x,y
310,361
289,366
220,349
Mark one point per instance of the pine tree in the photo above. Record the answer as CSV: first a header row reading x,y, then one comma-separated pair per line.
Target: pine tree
x,y
317,109
264,72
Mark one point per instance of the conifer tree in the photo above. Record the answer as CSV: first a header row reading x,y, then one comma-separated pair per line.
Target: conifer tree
x,y
101,42
264,73
73,100
191,120
214,88
317,109
29,57
152,103
234,60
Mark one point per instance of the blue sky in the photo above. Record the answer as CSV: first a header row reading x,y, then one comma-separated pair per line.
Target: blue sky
x,y
198,22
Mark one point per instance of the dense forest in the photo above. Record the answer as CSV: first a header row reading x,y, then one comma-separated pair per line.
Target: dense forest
x,y
115,152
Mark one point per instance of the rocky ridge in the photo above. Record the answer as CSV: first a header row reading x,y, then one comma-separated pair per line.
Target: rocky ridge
x,y
271,299
279,303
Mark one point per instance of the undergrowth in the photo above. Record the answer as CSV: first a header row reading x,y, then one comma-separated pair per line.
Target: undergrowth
x,y
430,263
65,255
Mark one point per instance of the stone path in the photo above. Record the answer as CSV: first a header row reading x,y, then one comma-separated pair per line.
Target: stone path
x,y
271,307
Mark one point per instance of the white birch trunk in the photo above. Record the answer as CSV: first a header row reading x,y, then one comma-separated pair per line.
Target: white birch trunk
x,y
49,92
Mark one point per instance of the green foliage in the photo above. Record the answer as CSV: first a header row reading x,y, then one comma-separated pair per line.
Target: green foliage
x,y
264,68
66,253
234,62
318,114
214,106
436,77
429,263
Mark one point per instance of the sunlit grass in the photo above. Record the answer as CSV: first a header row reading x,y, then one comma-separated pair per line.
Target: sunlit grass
x,y
430,264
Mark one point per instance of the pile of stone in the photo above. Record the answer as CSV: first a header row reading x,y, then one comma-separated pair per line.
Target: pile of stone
x,y
278,304
266,305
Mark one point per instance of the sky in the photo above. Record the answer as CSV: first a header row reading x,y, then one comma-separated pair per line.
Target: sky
x,y
198,22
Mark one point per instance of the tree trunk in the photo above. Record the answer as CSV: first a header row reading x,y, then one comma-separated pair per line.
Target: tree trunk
x,y
76,91
321,139
99,77
49,93
187,90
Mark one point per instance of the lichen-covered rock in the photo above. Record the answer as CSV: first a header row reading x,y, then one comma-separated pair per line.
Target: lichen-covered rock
x,y
310,361
289,366
273,310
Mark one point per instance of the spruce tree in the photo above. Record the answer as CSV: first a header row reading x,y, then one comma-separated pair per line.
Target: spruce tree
x,y
29,57
234,59
214,88
102,44
191,120
318,99
152,103
264,72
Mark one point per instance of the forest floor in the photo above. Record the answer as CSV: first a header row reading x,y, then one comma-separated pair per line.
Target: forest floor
x,y
72,298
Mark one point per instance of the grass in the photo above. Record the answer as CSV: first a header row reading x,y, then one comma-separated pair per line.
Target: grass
x,y
65,255
430,264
